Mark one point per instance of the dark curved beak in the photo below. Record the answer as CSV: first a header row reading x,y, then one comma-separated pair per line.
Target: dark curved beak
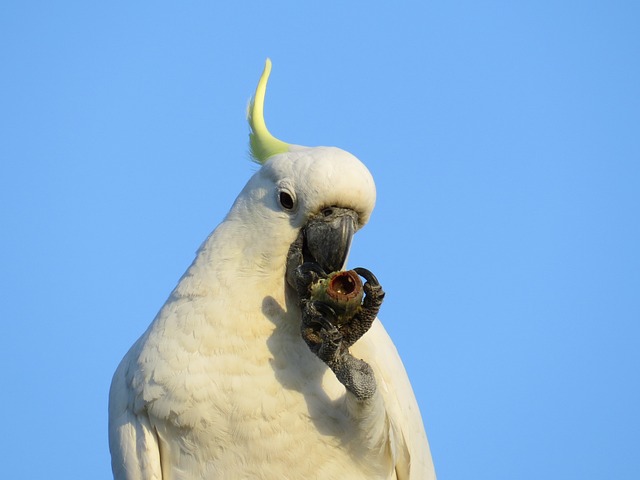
x,y
327,237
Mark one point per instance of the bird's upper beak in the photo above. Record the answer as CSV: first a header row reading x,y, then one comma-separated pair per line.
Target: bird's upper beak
x,y
327,237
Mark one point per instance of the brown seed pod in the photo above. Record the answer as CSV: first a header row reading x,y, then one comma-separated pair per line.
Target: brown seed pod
x,y
342,291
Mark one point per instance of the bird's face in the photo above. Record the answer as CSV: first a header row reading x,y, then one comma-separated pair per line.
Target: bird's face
x,y
325,195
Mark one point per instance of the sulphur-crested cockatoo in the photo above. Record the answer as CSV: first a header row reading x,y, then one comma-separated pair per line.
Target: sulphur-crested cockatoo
x,y
243,375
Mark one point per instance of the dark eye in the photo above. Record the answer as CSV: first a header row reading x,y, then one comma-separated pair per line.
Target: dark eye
x,y
286,200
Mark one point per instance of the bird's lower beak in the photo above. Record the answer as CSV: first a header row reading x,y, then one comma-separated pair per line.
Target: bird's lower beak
x,y
327,237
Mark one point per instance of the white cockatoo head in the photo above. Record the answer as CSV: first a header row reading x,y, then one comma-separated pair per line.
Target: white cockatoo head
x,y
318,195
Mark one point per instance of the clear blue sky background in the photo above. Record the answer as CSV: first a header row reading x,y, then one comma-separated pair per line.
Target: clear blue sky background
x,y
504,138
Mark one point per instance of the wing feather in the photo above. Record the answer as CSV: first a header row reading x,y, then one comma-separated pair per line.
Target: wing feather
x,y
409,441
135,453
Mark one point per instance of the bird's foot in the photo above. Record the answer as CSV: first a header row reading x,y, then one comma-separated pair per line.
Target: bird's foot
x,y
305,276
319,331
372,289
368,311
325,340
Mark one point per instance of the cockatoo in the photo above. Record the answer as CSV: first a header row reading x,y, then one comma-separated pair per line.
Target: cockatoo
x,y
241,374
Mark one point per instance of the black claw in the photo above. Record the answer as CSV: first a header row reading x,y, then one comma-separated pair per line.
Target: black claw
x,y
367,275
328,314
304,276
322,322
320,334
308,267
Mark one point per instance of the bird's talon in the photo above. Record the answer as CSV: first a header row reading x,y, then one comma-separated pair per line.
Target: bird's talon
x,y
372,287
306,275
326,311
309,268
368,276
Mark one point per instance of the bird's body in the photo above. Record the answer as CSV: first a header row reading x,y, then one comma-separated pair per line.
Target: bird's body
x,y
222,385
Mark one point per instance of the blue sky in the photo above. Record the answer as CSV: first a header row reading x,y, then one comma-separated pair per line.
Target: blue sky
x,y
504,138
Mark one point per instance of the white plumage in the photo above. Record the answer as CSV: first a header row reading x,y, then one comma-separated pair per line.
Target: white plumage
x,y
221,385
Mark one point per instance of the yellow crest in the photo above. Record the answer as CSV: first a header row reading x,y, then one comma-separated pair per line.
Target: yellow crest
x,y
263,145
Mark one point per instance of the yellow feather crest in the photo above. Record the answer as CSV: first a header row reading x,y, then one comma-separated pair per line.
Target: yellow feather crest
x,y
262,144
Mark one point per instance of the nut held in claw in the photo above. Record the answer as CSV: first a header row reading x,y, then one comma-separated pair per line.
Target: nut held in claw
x,y
342,291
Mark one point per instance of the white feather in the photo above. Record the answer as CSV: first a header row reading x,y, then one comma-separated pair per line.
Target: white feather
x,y
221,385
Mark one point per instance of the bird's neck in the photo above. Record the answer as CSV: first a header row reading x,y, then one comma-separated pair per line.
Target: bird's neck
x,y
230,258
